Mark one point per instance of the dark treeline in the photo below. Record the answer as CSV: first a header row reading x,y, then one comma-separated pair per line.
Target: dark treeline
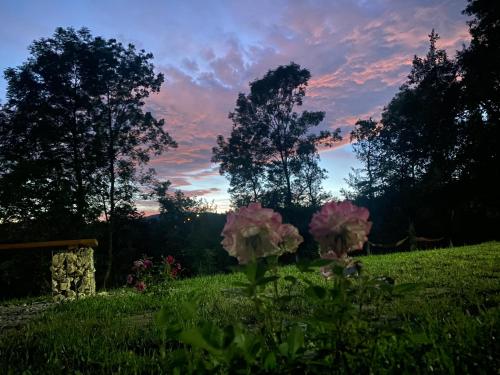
x,y
272,155
431,164
75,142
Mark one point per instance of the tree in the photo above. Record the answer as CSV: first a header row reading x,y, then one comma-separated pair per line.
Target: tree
x,y
128,135
179,220
309,174
243,156
77,136
48,132
480,104
267,134
365,137
419,131
410,158
480,61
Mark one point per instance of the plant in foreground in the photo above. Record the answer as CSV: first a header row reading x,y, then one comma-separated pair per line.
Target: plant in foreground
x,y
340,228
276,340
254,232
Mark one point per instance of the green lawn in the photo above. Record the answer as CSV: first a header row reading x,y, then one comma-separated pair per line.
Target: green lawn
x,y
448,323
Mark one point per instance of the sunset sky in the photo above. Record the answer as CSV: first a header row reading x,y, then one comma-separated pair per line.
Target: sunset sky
x,y
358,52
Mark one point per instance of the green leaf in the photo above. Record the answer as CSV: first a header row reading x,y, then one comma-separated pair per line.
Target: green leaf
x,y
195,338
188,309
270,361
205,337
247,343
420,338
250,270
228,337
295,340
283,348
163,317
255,271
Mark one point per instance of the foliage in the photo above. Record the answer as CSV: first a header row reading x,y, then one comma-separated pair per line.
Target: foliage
x,y
449,323
146,274
366,181
428,164
141,274
185,227
271,154
75,133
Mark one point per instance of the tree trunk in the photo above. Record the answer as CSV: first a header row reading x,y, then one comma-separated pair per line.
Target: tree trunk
x,y
111,218
110,224
110,252
288,196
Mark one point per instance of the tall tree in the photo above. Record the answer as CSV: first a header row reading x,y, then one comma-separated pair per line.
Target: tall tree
x,y
49,131
419,126
480,104
365,182
128,135
410,158
480,61
243,157
309,175
266,124
77,134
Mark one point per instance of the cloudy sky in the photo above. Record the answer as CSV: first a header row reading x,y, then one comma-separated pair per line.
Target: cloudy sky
x,y
359,52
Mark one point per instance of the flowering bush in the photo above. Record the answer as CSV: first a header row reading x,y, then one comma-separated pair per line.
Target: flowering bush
x,y
144,272
141,272
171,269
277,339
255,232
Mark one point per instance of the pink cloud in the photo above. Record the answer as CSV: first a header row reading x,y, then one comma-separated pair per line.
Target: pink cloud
x,y
200,192
358,57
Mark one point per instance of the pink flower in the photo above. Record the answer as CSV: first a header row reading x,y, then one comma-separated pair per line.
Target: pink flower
x,y
138,265
147,264
253,232
340,228
290,237
130,279
140,286
174,272
178,265
170,259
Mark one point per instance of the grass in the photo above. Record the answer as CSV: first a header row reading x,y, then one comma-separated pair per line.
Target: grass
x,y
449,324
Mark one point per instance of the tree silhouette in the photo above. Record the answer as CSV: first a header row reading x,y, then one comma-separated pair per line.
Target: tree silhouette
x,y
269,135
410,158
76,131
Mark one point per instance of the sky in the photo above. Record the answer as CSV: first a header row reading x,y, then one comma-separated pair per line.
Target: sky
x,y
358,52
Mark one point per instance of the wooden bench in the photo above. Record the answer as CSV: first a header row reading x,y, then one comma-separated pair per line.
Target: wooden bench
x,y
72,268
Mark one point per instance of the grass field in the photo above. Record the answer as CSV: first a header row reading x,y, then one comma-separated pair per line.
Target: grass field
x,y
449,322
